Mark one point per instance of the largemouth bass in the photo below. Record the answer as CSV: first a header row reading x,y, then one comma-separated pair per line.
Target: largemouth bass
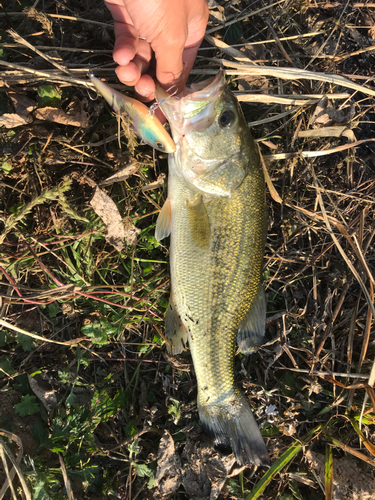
x,y
216,215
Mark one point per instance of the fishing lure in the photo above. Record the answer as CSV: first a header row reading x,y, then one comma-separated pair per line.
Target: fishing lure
x,y
146,125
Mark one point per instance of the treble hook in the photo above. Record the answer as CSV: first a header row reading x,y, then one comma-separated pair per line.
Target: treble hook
x,y
157,105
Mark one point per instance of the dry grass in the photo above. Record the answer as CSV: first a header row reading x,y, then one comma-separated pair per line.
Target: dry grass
x,y
88,320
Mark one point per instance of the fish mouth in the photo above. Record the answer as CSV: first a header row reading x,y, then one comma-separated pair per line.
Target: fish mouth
x,y
184,111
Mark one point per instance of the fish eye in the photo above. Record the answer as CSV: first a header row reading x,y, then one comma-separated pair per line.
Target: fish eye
x,y
160,145
226,118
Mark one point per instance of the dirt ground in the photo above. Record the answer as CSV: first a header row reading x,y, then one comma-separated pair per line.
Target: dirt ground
x,y
113,415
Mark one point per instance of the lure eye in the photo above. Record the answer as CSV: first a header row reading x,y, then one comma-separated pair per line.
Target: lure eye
x,y
160,145
226,118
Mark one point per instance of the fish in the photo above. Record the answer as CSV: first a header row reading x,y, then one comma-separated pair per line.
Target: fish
x,y
216,216
146,125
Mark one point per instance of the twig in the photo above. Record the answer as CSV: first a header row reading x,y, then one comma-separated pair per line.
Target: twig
x,y
245,16
326,374
274,118
343,254
9,326
289,100
295,73
60,16
315,154
25,488
47,75
21,41
68,486
60,49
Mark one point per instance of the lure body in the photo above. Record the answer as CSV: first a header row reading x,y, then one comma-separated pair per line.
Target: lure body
x,y
146,125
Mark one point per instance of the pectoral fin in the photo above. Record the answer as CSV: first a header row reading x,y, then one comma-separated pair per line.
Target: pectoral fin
x,y
164,222
223,180
175,331
252,327
199,223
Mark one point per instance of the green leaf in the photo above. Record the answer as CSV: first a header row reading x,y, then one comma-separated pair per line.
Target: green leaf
x,y
53,310
142,470
28,406
40,432
288,384
27,343
143,348
6,167
180,436
366,419
130,429
96,332
328,475
39,492
21,384
134,449
48,96
278,466
70,399
5,337
232,34
270,430
285,458
163,302
65,376
175,410
6,367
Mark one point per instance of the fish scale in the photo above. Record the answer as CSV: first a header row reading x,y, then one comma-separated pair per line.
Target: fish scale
x,y
216,258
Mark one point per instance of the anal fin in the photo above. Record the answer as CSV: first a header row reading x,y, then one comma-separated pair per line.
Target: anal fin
x,y
175,331
252,328
164,222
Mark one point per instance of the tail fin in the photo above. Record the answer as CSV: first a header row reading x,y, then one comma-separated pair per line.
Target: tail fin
x,y
233,424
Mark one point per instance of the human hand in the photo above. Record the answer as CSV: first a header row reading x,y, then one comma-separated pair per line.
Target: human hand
x,y
171,30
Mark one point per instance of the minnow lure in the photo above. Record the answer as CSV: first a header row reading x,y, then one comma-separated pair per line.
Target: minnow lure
x,y
146,125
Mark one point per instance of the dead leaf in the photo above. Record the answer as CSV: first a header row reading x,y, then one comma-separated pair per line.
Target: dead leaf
x,y
168,475
12,120
121,175
336,131
50,114
216,11
130,231
23,105
253,82
76,110
106,208
43,391
156,184
325,114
